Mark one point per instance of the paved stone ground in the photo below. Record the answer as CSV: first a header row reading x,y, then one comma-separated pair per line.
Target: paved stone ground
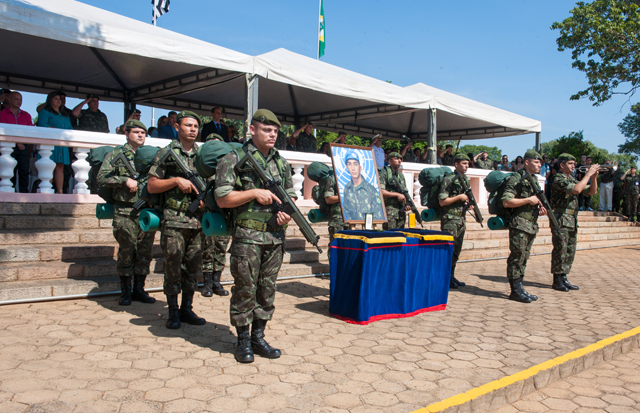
x,y
612,387
94,356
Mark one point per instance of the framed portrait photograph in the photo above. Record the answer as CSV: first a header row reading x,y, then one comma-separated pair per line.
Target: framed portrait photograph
x,y
358,184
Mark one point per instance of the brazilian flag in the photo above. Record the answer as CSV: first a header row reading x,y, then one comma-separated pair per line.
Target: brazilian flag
x,y
321,31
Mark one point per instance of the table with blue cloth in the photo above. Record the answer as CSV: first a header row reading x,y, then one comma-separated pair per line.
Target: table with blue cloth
x,y
379,275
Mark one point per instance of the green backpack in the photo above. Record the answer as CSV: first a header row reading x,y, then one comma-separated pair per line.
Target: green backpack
x,y
494,184
142,160
320,173
209,153
95,158
430,179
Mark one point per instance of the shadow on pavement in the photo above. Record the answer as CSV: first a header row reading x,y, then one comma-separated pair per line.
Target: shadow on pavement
x,y
503,280
213,336
302,290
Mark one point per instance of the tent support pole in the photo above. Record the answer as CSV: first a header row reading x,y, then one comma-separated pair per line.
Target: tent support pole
x,y
251,103
432,138
538,143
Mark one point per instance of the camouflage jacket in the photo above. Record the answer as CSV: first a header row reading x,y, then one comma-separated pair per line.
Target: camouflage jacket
x,y
228,180
395,184
562,198
631,185
281,141
171,216
409,156
360,200
306,143
525,217
484,164
93,121
449,188
115,177
447,159
335,210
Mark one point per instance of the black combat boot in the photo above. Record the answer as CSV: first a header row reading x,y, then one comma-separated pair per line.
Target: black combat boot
x,y
533,297
261,347
173,322
125,287
517,292
217,287
207,288
567,283
244,353
186,310
138,293
558,284
460,283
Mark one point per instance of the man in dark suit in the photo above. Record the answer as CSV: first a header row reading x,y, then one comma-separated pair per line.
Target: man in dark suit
x,y
215,126
169,131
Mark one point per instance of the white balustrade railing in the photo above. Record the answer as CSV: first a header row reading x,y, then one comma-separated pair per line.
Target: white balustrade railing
x,y
82,142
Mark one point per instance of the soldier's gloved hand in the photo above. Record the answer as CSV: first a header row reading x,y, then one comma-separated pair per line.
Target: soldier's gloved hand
x,y
132,184
265,197
283,218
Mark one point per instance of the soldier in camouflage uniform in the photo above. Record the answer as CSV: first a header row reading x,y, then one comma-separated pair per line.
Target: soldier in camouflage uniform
x,y
336,221
447,156
360,197
134,245
281,141
564,201
181,239
91,119
408,155
305,141
392,184
214,254
454,205
482,161
631,192
618,191
524,208
256,248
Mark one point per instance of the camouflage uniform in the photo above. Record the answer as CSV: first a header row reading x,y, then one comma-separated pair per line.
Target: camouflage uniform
x,y
214,253
360,200
336,221
409,156
523,224
484,164
281,141
618,189
453,216
181,239
447,159
306,143
256,250
93,121
631,190
396,214
566,237
134,252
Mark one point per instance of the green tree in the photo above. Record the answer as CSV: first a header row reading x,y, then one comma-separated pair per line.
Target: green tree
x,y
495,154
604,39
630,128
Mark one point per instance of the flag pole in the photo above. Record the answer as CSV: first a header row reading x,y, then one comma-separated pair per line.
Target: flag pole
x,y
318,36
153,110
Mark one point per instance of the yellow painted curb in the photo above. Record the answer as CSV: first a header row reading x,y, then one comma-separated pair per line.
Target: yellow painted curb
x,y
469,395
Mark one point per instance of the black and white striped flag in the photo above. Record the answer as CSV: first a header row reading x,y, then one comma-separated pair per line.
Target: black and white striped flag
x,y
160,7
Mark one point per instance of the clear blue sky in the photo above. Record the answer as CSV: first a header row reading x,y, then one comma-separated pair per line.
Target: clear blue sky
x,y
500,53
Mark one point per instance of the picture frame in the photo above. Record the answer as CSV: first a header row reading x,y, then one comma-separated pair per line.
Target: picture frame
x,y
357,164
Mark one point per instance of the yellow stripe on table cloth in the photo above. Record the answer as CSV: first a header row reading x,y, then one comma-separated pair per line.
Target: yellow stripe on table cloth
x,y
389,240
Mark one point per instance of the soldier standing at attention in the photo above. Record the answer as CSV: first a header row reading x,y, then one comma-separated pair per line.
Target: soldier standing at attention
x,y
631,192
454,205
256,247
91,119
392,184
336,221
564,201
525,207
214,254
181,240
134,245
306,142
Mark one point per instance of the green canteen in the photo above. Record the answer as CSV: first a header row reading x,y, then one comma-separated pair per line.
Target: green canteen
x,y
149,220
316,215
214,224
104,211
497,223
428,215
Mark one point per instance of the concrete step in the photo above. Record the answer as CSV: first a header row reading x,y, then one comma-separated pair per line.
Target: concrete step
x,y
547,240
42,289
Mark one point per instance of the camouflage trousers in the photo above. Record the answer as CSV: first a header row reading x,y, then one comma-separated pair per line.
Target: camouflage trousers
x,y
134,246
254,269
457,228
395,218
631,202
520,243
333,228
182,249
564,249
214,253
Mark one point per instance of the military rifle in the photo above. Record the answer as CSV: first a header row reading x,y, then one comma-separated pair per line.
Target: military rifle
x,y
287,205
476,214
121,160
409,200
192,176
553,221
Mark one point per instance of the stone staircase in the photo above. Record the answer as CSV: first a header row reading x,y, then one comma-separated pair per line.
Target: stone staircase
x,y
54,250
